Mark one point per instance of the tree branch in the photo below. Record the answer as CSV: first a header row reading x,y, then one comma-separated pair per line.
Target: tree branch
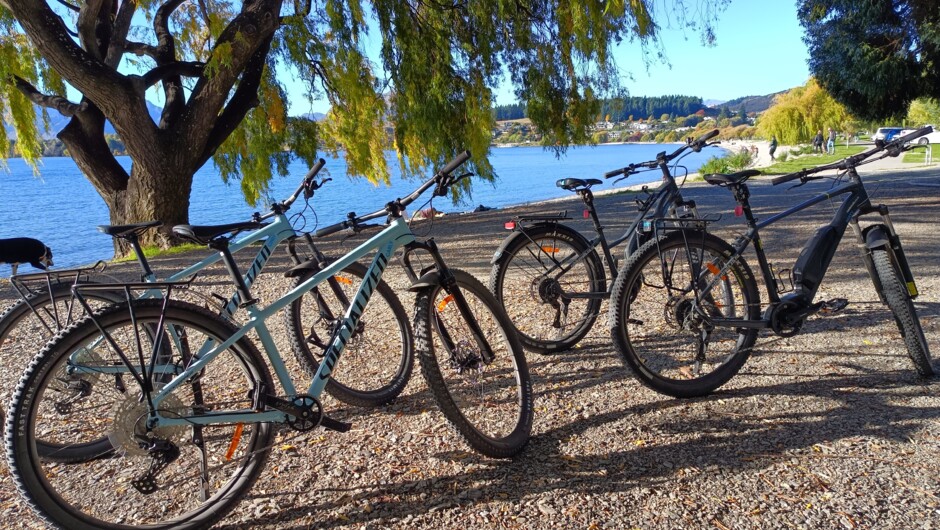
x,y
244,99
122,25
61,104
161,26
140,49
68,5
94,27
248,33
84,137
164,71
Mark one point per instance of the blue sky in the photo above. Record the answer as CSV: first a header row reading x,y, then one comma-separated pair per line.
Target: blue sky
x,y
758,50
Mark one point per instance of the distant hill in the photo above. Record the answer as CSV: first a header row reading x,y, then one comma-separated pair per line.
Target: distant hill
x,y
712,102
752,103
315,116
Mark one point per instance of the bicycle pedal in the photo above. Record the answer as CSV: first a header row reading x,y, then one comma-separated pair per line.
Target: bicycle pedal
x,y
335,425
833,306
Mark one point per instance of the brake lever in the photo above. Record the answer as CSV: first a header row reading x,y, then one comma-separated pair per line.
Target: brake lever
x,y
313,186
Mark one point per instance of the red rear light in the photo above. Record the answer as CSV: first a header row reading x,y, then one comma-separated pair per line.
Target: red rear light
x,y
587,214
510,225
738,211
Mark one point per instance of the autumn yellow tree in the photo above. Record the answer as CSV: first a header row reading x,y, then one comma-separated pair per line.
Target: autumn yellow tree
x,y
798,114
924,111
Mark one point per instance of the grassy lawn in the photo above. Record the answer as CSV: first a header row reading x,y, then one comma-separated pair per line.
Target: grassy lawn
x,y
919,156
812,160
154,252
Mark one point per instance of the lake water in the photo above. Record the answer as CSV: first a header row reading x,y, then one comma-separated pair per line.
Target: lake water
x,y
61,208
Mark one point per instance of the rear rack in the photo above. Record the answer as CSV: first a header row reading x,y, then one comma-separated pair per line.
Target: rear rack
x,y
561,216
658,225
24,283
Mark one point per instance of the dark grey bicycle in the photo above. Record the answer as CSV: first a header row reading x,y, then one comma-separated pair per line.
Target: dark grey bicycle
x,y
685,310
550,278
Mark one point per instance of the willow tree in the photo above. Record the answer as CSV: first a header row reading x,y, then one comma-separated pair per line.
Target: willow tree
x,y
796,115
221,69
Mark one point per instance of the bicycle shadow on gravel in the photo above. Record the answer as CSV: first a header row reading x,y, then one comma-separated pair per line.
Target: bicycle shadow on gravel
x,y
722,437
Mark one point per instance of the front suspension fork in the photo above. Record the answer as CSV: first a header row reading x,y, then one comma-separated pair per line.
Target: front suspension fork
x,y
445,278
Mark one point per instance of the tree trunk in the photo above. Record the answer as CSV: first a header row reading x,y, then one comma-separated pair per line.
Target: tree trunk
x,y
158,194
155,190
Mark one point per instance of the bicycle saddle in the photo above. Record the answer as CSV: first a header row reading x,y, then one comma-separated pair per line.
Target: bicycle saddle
x,y
204,234
126,230
729,179
572,184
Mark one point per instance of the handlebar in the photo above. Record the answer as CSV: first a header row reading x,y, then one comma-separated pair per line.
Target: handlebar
x,y
306,185
442,180
662,158
893,148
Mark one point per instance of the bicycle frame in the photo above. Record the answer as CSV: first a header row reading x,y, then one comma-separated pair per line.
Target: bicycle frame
x,y
856,203
272,235
664,201
384,244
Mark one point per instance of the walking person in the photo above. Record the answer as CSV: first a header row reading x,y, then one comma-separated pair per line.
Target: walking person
x,y
818,142
772,147
831,142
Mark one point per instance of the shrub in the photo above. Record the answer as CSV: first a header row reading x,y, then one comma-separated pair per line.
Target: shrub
x,y
782,157
727,164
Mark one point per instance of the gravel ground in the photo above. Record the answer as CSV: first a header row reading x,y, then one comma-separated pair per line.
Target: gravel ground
x,y
828,429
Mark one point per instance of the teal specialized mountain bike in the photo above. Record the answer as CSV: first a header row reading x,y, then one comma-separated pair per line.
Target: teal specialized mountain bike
x,y
380,352
190,406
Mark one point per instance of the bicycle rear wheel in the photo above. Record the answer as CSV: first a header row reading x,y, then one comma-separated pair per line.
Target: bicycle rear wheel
x,y
378,358
489,404
169,477
26,326
899,301
538,278
656,320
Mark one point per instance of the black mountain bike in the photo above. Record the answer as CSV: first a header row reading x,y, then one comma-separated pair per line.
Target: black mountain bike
x,y
686,310
551,279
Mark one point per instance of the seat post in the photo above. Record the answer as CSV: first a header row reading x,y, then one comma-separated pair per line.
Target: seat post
x,y
244,295
144,264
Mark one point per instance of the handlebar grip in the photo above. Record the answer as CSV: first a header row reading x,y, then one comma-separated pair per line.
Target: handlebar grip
x,y
315,169
456,162
614,173
707,136
787,178
911,136
332,229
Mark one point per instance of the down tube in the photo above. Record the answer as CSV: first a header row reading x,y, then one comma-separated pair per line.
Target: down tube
x,y
351,319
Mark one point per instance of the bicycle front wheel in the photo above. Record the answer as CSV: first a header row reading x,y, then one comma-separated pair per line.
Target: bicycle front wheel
x,y
78,388
899,301
379,356
489,403
542,279
661,327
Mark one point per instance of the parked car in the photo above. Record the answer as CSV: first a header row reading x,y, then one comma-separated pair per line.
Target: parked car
x,y
931,138
886,133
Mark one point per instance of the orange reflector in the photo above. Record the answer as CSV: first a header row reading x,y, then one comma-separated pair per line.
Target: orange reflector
x,y
343,279
236,438
443,303
549,249
714,269
510,225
